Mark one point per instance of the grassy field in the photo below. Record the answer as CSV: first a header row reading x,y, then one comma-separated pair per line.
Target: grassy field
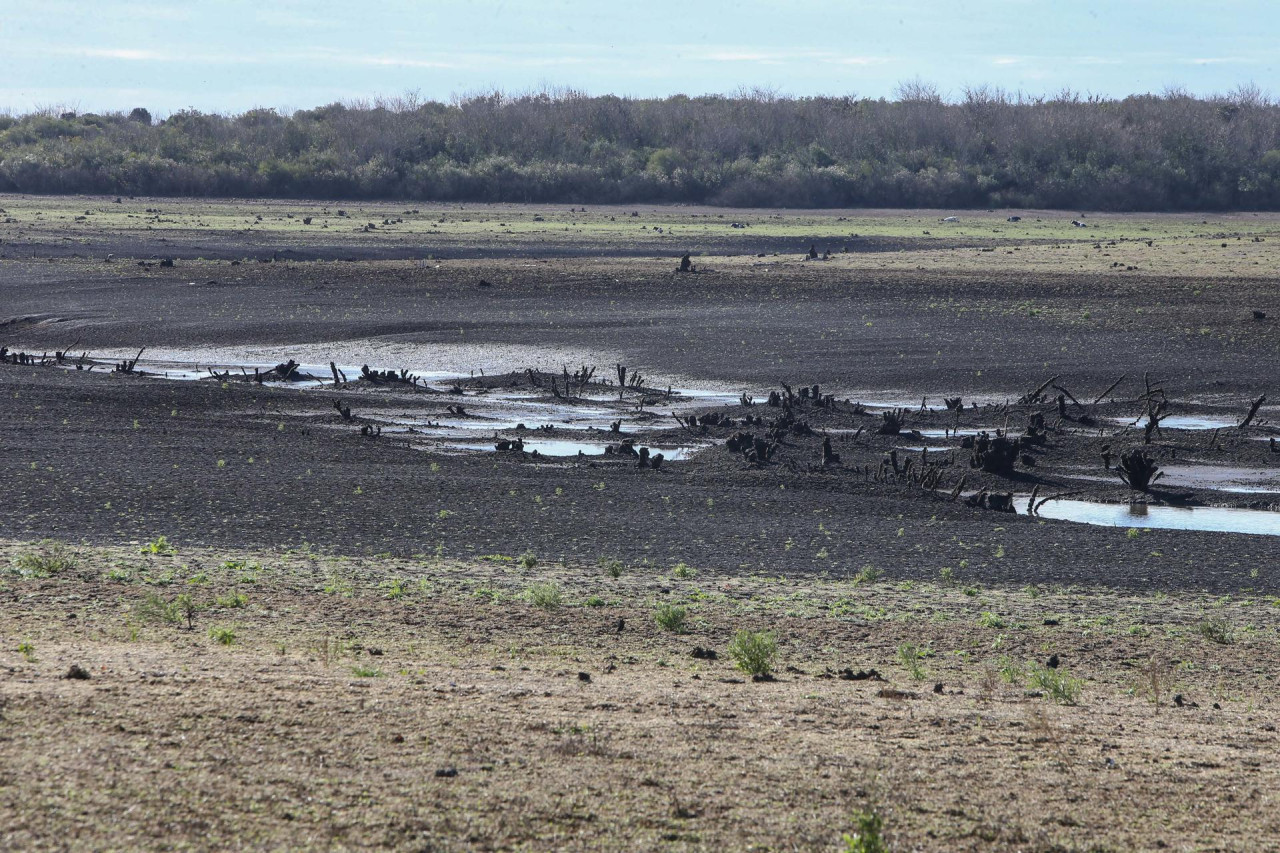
x,y
300,699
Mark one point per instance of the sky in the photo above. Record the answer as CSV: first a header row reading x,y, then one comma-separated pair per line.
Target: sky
x,y
236,55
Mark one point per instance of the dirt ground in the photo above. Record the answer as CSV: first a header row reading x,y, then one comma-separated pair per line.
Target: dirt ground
x,y
508,704
392,544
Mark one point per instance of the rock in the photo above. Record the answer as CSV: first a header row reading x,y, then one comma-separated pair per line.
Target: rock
x,y
584,677
77,673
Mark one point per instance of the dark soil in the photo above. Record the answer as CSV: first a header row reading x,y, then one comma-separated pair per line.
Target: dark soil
x,y
104,457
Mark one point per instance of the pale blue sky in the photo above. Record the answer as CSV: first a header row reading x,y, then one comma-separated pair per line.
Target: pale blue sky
x,y
233,55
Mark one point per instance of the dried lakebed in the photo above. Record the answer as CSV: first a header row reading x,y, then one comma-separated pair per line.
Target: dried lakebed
x,y
580,417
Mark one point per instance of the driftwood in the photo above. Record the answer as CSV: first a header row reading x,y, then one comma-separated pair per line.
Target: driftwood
x,y
1253,411
1138,470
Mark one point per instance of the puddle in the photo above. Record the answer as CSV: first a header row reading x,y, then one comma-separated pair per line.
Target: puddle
x,y
1221,478
566,447
1217,478
1187,422
1208,518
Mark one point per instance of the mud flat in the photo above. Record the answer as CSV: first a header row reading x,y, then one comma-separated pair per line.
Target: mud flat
x,y
894,445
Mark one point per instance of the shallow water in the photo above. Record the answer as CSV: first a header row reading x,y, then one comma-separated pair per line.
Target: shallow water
x,y
1209,518
567,447
1187,422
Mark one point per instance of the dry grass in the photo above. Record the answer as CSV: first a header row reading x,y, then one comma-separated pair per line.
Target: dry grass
x,y
496,724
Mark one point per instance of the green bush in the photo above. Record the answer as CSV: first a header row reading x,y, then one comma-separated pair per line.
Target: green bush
x,y
51,558
222,635
671,618
867,836
1056,684
753,652
545,595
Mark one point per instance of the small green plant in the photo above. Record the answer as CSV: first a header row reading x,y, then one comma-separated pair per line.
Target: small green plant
x,y
1217,629
187,608
27,650
545,595
1133,533
487,593
867,836
912,658
991,620
232,599
222,635
948,575
338,585
684,571
528,560
867,574
52,558
155,608
613,568
1010,671
1056,684
361,671
120,574
159,546
594,601
671,618
754,652
394,589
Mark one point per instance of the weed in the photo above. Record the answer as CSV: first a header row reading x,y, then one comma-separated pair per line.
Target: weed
x,y
395,588
991,620
1157,679
361,671
1010,671
155,608
545,595
671,618
1057,684
159,546
528,560
222,635
27,650
948,575
613,568
867,574
232,599
594,601
487,593
684,571
1217,629
52,558
338,585
867,836
753,652
911,657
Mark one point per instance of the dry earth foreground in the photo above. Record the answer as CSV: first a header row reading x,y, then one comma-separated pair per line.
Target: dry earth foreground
x,y
488,527
159,697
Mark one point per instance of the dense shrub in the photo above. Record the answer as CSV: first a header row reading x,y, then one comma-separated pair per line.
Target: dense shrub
x,y
1145,152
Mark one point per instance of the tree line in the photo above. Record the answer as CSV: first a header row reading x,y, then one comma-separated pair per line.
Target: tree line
x,y
1170,151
